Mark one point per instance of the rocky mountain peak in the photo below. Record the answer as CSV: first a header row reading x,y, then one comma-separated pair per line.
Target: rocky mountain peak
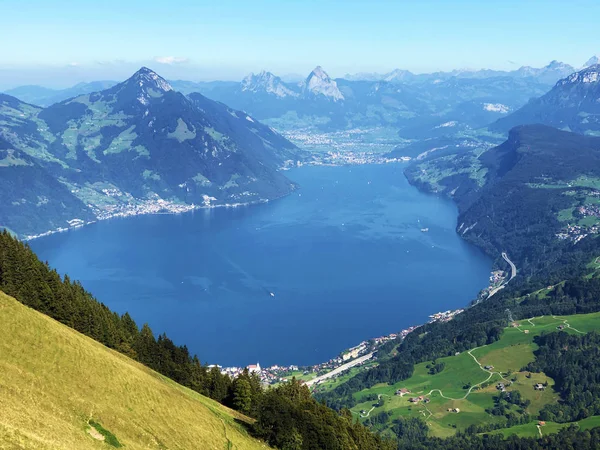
x,y
594,60
319,83
148,79
268,83
590,74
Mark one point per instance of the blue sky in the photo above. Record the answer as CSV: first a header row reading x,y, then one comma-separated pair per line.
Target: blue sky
x,y
60,42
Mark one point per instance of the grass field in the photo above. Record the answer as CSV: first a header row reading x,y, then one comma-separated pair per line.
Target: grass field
x,y
55,383
532,430
464,384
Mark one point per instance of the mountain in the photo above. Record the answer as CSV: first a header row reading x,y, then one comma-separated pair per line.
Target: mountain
x,y
397,75
528,181
549,74
31,199
572,104
140,147
42,96
520,196
363,76
409,110
318,83
594,60
267,83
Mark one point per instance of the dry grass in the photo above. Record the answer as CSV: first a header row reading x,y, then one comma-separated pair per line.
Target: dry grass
x,y
53,380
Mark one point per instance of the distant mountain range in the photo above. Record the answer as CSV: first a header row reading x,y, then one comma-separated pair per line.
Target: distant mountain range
x,y
42,96
548,74
573,104
414,110
454,166
417,105
141,146
136,147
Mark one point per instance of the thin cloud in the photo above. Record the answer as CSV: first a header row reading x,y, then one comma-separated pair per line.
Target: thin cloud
x,y
171,60
73,64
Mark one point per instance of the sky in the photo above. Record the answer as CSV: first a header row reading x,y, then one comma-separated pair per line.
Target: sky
x,y
58,43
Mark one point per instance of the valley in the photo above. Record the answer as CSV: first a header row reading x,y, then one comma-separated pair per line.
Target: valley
x,y
266,224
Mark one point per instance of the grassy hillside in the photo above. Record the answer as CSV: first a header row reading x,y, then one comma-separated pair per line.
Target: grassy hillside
x,y
466,384
534,430
54,382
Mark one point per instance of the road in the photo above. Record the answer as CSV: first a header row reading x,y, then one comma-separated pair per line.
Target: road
x,y
340,369
513,268
513,273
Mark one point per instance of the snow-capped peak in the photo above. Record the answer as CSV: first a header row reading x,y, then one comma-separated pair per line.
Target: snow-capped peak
x,y
147,78
267,82
592,61
319,83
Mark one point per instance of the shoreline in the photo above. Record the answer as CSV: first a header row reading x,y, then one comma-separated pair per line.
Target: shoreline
x,y
441,316
159,206
329,159
185,208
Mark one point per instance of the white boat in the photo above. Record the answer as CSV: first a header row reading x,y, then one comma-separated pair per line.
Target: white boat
x,y
424,230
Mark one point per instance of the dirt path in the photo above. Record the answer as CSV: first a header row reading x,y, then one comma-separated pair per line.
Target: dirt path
x,y
567,325
491,374
229,443
369,412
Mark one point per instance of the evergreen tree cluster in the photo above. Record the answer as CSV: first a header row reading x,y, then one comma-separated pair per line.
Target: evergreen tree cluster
x,y
412,434
574,364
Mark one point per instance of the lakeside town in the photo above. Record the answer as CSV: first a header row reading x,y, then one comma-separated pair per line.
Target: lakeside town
x,y
350,357
352,158
280,374
112,202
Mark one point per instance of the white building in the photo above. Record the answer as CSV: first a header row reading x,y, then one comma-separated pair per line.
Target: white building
x,y
254,368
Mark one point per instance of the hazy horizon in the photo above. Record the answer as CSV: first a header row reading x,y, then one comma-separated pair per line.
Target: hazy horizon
x,y
60,44
64,77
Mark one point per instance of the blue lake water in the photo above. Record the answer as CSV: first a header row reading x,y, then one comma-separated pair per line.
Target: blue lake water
x,y
344,257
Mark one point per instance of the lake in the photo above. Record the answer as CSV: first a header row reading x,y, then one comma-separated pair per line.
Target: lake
x,y
293,281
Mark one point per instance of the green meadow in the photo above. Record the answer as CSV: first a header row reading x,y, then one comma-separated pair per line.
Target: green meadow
x,y
464,385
